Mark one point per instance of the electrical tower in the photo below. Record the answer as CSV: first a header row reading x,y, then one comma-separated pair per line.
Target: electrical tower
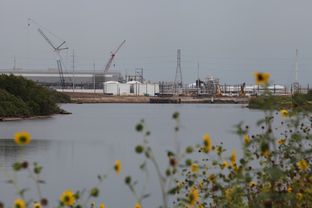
x,y
178,76
296,83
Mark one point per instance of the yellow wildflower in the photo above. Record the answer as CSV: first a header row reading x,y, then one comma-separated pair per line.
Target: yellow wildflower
x,y
195,168
233,158
281,141
224,164
246,139
252,184
117,166
102,205
229,192
193,196
22,138
207,143
68,198
284,113
289,190
303,165
137,205
37,205
212,178
19,203
299,196
262,78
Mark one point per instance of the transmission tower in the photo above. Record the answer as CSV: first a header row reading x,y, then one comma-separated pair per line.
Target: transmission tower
x,y
178,77
296,85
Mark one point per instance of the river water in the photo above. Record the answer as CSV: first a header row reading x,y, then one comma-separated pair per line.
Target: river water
x,y
74,149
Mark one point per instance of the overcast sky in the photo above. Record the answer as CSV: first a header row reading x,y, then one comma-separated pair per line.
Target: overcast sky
x,y
229,38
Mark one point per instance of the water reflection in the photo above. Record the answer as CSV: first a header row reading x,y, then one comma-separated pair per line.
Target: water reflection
x,y
11,152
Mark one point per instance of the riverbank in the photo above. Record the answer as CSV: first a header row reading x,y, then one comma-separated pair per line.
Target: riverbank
x,y
101,98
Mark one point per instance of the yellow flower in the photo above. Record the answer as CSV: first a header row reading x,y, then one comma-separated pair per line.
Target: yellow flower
x,y
262,78
212,178
102,205
193,196
195,167
246,139
207,143
303,165
117,166
281,141
289,190
37,205
22,138
252,184
233,158
137,205
68,198
19,203
299,196
284,113
224,164
229,192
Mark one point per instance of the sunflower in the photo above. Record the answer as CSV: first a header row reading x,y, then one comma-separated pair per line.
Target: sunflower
x,y
193,196
262,78
284,113
224,164
68,198
117,166
281,141
252,184
233,158
22,138
207,143
137,205
19,203
195,168
246,139
303,165
36,205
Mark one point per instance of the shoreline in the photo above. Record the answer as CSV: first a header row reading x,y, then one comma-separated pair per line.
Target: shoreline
x,y
81,98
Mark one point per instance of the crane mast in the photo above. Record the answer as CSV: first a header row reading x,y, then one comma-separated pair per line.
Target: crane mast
x,y
57,50
110,61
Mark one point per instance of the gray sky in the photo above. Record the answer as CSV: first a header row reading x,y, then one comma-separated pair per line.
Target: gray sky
x,y
229,38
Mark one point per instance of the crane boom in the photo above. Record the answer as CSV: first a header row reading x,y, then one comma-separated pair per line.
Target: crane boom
x,y
56,49
46,38
110,61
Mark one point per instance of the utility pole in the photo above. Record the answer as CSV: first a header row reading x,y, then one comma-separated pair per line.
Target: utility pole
x,y
14,64
94,76
73,70
198,82
178,77
297,68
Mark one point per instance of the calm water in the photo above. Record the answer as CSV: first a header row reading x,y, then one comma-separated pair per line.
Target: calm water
x,y
74,148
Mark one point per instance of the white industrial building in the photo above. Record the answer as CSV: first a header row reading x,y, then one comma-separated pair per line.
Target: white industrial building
x,y
130,88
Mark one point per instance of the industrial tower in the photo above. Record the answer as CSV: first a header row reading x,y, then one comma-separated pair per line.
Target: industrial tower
x,y
296,83
178,76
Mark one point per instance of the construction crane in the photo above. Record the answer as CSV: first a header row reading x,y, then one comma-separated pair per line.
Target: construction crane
x,y
113,54
57,50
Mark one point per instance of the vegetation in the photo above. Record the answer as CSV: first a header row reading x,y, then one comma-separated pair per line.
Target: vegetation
x,y
20,97
297,102
272,171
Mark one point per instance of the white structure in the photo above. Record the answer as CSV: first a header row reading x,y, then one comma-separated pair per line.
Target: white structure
x,y
134,88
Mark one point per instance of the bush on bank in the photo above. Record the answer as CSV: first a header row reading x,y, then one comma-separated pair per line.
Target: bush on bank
x,y
21,97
